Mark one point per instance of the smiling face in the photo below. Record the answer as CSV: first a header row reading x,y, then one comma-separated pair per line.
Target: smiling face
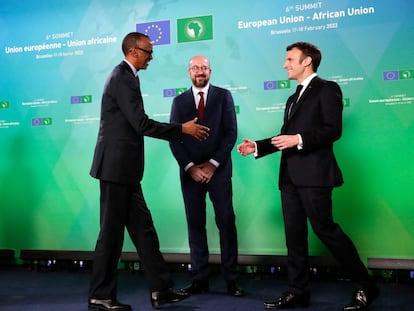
x,y
298,65
199,71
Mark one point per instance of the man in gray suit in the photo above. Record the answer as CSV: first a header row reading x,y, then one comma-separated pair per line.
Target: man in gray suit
x,y
119,165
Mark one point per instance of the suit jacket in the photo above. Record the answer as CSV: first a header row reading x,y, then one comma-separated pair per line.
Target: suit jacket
x,y
317,116
219,116
119,152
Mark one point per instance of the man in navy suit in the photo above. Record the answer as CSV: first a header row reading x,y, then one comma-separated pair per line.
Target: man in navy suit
x,y
119,165
205,166
308,173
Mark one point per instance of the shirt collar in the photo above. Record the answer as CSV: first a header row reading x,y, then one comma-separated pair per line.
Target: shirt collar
x,y
134,70
204,90
306,82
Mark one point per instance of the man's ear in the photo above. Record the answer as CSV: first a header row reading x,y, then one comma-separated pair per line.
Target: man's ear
x,y
307,61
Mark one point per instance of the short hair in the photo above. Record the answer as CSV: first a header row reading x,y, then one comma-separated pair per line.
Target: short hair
x,y
308,49
130,41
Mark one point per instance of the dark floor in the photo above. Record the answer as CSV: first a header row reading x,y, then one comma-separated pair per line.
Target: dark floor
x,y
64,290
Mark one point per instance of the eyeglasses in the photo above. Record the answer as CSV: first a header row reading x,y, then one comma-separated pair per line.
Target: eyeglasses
x,y
149,52
197,68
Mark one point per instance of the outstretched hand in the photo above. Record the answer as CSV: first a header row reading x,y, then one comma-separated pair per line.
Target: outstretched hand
x,y
196,130
246,147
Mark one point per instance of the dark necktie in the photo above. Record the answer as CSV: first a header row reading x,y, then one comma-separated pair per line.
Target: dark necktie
x,y
200,109
139,83
295,98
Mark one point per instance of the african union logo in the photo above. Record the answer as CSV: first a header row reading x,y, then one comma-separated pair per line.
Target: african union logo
x,y
4,104
195,29
158,32
406,74
346,102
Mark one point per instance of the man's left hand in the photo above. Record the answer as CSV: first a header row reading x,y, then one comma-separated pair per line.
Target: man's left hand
x,y
282,142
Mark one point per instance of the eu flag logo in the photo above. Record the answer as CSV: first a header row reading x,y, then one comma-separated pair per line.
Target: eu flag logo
x,y
390,75
269,85
36,121
75,99
159,32
169,92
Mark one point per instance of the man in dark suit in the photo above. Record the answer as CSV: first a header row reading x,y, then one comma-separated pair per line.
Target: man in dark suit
x,y
308,173
119,164
205,166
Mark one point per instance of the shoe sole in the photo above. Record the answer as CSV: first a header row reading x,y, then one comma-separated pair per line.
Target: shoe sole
x,y
99,308
196,293
267,306
159,303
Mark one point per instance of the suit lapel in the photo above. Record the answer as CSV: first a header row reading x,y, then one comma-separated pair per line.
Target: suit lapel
x,y
289,103
189,101
126,67
210,97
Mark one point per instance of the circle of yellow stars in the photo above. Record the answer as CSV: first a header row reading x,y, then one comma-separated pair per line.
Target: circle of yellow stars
x,y
158,28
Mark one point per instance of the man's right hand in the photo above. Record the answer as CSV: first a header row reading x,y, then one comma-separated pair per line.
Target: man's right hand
x,y
197,173
196,130
246,147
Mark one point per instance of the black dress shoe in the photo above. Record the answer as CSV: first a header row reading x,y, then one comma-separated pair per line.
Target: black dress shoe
x,y
234,289
362,299
107,304
166,296
197,287
289,301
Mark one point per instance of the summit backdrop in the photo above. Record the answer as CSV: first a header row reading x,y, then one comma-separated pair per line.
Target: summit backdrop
x,y
56,55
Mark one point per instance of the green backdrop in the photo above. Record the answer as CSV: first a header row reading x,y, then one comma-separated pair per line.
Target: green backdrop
x,y
56,55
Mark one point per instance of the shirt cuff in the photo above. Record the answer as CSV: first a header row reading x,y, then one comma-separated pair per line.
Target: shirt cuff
x,y
300,144
256,152
214,162
188,166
